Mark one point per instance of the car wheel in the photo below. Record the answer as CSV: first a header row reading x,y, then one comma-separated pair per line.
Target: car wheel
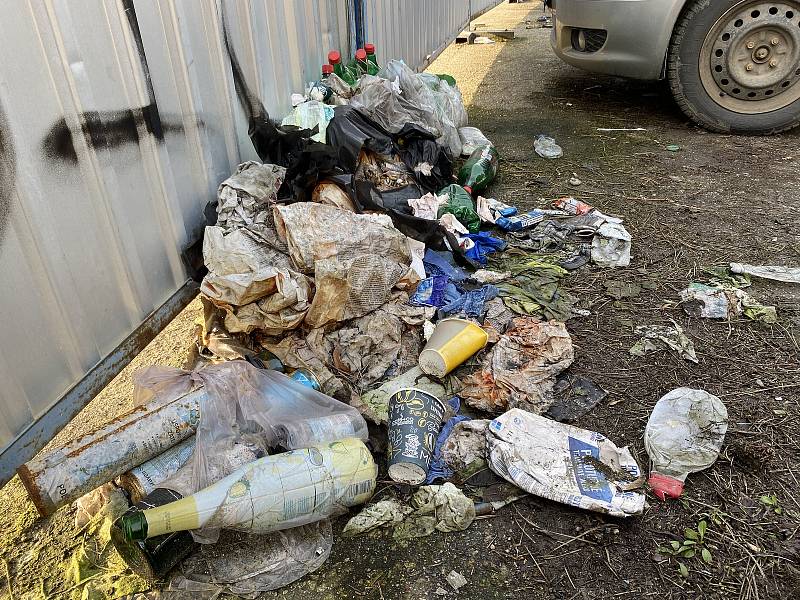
x,y
734,65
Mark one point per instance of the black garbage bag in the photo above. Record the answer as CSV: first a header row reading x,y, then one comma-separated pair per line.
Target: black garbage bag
x,y
306,160
350,132
429,161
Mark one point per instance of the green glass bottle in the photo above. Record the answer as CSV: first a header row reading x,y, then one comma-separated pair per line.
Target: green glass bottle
x,y
479,170
373,68
360,63
335,59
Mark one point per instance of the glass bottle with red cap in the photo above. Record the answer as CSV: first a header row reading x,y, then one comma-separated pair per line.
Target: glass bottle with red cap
x,y
360,63
372,61
335,59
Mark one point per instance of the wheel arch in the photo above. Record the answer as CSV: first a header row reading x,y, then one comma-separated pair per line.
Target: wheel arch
x,y
678,8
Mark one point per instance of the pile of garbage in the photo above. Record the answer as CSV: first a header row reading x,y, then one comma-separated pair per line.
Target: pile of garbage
x,y
359,292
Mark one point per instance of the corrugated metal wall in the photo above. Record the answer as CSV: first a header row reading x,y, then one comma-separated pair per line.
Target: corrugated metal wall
x,y
104,170
417,30
479,6
118,120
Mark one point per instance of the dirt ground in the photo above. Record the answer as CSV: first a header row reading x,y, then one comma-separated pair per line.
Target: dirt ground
x,y
719,199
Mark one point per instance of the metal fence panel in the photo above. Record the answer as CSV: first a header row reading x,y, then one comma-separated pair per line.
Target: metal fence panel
x,y
118,120
417,30
480,6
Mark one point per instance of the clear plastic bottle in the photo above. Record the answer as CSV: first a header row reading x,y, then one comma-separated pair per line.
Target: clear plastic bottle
x,y
301,434
684,435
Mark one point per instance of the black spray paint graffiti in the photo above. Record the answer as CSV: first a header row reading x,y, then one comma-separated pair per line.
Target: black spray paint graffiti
x,y
7,174
112,129
106,129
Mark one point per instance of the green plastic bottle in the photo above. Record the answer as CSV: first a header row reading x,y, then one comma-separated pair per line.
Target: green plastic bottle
x,y
374,68
335,59
479,170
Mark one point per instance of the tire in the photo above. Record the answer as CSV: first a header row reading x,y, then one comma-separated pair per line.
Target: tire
x,y
724,83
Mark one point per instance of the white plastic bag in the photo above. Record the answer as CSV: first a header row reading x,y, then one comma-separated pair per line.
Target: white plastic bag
x,y
684,435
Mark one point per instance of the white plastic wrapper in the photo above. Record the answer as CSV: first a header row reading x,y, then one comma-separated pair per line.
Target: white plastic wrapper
x,y
611,247
472,138
564,463
785,274
308,115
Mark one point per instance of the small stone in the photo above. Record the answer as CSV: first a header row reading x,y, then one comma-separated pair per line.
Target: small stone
x,y
440,591
759,383
574,181
456,580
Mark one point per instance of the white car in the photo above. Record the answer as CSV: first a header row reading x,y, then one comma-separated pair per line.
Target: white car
x,y
733,65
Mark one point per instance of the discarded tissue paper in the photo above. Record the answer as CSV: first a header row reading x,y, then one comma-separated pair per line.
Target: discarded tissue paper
x,y
521,369
672,337
433,508
564,463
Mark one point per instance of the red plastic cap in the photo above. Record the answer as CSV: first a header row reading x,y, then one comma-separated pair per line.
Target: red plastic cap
x,y
361,54
369,48
334,57
327,69
469,189
664,486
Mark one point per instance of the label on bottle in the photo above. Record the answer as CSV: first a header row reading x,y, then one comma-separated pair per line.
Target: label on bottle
x,y
276,492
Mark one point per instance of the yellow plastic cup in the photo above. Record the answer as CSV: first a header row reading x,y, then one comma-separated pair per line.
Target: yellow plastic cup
x,y
453,341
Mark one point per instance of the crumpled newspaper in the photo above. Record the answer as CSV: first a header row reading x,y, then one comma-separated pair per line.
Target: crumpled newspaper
x,y
315,232
242,269
433,508
366,347
356,259
253,283
564,463
246,197
672,337
520,370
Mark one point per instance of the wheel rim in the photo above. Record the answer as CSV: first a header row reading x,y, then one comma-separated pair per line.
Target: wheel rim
x,y
750,60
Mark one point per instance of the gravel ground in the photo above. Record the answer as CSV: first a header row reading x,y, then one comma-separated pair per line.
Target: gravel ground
x,y
719,199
